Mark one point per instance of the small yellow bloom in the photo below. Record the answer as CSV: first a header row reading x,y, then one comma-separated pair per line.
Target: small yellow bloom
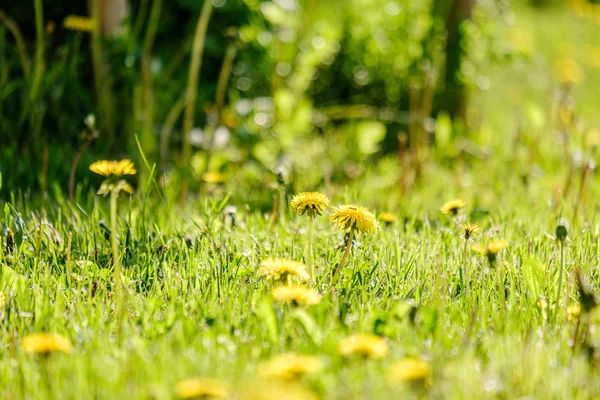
x,y
113,168
492,249
201,388
79,23
46,343
573,312
452,206
410,370
2,300
296,295
387,217
290,366
366,345
277,390
568,71
310,203
281,269
469,230
349,217
214,177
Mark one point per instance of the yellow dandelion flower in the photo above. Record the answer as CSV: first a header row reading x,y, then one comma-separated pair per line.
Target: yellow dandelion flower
x,y
410,370
310,203
491,250
366,345
79,23
568,71
469,230
277,390
290,366
573,312
46,343
214,177
452,206
113,168
201,388
387,217
351,217
296,295
282,269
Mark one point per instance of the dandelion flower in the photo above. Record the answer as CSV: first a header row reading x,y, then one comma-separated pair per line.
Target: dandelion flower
x,y
492,249
573,312
113,168
310,203
387,217
201,388
290,366
469,230
79,23
452,206
46,343
366,345
277,390
352,217
281,269
296,295
410,370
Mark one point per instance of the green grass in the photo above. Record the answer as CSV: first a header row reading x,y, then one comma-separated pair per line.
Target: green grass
x,y
196,305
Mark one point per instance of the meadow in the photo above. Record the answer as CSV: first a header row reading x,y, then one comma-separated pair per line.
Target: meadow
x,y
466,268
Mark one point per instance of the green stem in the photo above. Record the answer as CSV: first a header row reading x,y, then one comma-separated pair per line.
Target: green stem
x,y
467,278
116,260
560,280
345,256
309,256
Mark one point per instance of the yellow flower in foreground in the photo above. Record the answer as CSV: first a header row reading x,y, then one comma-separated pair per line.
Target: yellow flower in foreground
x,y
350,217
113,168
277,390
296,295
369,346
452,206
310,203
201,388
281,269
79,23
469,230
387,217
214,177
290,366
410,370
45,343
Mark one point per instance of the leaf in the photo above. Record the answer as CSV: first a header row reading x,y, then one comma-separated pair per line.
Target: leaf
x,y
370,133
534,272
266,313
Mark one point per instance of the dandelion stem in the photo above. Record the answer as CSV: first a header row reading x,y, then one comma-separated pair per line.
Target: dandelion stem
x,y
116,260
345,256
560,279
309,256
466,278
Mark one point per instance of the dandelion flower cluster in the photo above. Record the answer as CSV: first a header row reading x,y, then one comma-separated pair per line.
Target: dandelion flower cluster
x,y
290,366
410,370
452,206
310,203
46,343
296,295
350,217
366,345
195,388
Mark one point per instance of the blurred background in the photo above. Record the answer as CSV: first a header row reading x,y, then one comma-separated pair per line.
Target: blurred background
x,y
239,95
